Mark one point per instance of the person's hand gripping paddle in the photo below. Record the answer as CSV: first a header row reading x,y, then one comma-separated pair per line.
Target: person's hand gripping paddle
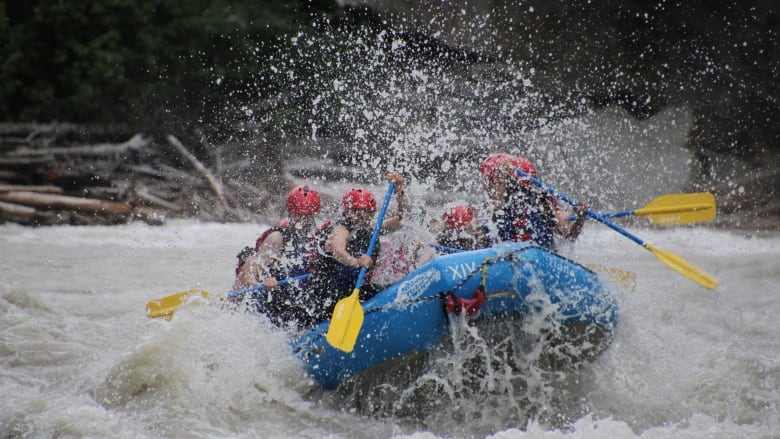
x,y
670,259
347,316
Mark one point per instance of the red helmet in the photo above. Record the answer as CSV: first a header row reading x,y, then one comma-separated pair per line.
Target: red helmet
x,y
303,200
458,217
492,166
358,199
526,166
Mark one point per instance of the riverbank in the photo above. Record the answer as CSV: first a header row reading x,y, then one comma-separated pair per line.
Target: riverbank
x,y
96,175
100,175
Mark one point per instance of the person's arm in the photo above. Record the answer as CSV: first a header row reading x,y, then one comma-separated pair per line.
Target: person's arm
x,y
394,222
336,244
256,267
568,229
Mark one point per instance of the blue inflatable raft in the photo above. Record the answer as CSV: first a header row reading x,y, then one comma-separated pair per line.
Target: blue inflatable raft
x,y
412,315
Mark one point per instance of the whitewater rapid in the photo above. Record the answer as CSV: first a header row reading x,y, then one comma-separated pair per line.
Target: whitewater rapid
x,y
79,358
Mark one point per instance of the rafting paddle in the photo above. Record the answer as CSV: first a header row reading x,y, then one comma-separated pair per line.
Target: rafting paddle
x,y
348,314
672,209
166,306
671,260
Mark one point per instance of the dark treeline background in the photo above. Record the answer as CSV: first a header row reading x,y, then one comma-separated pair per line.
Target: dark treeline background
x,y
145,63
156,90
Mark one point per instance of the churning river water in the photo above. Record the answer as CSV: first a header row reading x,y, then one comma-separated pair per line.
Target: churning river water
x,y
79,358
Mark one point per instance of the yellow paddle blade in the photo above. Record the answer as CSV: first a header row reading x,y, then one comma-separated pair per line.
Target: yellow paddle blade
x,y
626,279
165,306
684,267
346,322
673,209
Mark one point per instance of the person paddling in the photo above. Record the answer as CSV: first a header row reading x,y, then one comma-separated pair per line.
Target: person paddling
x,y
340,251
459,229
281,252
521,211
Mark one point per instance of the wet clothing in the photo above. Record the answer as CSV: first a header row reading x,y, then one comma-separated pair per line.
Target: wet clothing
x,y
526,217
286,304
460,239
248,252
398,257
295,250
331,280
243,256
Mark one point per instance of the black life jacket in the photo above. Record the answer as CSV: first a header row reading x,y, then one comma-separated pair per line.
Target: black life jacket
x,y
296,250
337,276
459,239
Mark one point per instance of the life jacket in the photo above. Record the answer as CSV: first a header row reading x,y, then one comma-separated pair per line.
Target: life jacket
x,y
331,280
296,250
524,220
458,239
337,276
395,260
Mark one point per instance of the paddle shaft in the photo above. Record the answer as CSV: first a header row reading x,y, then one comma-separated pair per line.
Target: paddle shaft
x,y
445,249
375,234
591,214
347,319
673,261
620,214
260,288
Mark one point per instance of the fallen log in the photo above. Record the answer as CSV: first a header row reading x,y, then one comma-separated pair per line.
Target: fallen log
x,y
134,143
83,174
33,131
8,175
17,211
166,172
214,183
23,161
45,189
145,194
50,202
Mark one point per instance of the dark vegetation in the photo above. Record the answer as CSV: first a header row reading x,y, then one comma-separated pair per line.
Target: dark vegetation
x,y
144,105
151,63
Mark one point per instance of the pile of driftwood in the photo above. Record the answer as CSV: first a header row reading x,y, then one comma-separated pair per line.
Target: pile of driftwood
x,y
77,174
73,174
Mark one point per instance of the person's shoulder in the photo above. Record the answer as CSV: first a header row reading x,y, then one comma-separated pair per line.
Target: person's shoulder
x,y
339,228
340,232
275,236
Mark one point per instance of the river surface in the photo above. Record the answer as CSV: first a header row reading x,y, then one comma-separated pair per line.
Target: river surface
x,y
79,358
